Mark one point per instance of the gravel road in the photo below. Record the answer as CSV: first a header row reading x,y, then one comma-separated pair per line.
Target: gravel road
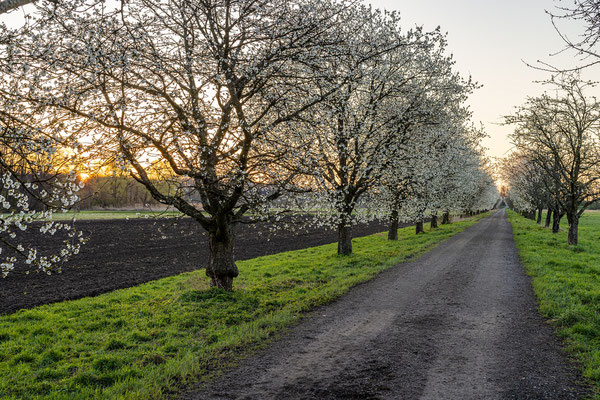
x,y
460,322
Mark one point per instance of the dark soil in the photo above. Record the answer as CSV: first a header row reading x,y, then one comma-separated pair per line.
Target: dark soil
x,y
460,322
122,254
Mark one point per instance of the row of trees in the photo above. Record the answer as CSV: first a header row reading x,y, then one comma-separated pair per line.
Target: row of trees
x,y
114,192
322,106
556,163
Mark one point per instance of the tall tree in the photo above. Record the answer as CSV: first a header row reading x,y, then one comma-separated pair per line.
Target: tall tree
x,y
210,89
561,135
359,127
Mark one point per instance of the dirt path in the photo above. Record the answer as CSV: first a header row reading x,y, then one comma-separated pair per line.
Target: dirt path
x,y
458,323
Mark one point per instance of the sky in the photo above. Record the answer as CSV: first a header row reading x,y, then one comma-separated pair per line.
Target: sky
x,y
491,40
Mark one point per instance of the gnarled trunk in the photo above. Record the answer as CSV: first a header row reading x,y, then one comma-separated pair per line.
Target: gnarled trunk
x,y
419,227
573,219
539,215
434,221
548,218
344,238
221,268
393,231
446,218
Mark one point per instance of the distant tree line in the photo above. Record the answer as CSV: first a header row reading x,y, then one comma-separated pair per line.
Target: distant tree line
x,y
114,192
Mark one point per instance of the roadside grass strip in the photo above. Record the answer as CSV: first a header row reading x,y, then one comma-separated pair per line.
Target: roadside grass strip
x,y
566,281
147,341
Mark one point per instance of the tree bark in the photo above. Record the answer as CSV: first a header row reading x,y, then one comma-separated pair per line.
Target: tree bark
x,y
573,219
221,268
434,221
419,227
539,215
345,226
548,218
8,5
393,231
344,238
556,216
446,218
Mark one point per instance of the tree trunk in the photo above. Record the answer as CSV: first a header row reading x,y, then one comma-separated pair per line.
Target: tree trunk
x,y
446,218
345,227
344,238
548,218
434,221
419,227
539,216
556,216
8,5
573,219
221,268
393,231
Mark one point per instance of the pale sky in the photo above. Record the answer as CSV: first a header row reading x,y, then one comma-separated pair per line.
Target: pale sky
x,y
489,40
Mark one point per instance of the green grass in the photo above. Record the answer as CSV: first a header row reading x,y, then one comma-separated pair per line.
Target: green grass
x,y
101,215
88,215
566,281
146,341
96,215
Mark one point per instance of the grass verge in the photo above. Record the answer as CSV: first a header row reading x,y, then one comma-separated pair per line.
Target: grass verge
x,y
566,281
102,215
94,215
145,341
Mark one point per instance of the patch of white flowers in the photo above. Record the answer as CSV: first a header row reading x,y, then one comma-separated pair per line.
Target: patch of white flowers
x,y
17,216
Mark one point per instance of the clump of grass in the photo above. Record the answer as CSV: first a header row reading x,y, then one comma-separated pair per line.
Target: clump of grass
x,y
141,342
566,281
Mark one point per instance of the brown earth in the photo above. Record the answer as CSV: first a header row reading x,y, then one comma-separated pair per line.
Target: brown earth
x,y
123,253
